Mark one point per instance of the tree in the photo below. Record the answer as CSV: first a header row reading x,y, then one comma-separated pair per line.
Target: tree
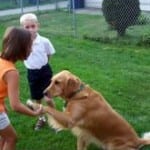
x,y
120,14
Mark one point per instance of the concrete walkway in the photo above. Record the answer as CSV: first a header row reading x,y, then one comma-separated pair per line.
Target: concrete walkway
x,y
91,11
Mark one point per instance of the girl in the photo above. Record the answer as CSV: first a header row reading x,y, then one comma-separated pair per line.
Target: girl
x,y
16,46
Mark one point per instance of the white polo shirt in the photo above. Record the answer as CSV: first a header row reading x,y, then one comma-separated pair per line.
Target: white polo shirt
x,y
41,49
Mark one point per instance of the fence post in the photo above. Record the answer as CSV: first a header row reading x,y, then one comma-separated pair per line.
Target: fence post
x,y
72,3
56,4
37,4
21,6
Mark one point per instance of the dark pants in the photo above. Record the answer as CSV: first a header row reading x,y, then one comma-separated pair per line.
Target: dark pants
x,y
38,80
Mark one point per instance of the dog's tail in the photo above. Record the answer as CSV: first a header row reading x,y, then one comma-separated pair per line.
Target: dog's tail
x,y
145,140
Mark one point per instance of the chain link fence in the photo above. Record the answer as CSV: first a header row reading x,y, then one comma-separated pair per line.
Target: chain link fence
x,y
9,4
31,5
129,19
98,20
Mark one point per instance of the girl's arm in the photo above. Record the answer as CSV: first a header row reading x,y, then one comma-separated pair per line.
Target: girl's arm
x,y
12,80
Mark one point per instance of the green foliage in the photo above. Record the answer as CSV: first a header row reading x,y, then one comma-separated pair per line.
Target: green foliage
x,y
121,13
143,19
144,41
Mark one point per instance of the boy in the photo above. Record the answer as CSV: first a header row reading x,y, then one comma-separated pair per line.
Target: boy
x,y
39,72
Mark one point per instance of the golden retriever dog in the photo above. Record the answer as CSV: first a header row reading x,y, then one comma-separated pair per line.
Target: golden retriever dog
x,y
89,116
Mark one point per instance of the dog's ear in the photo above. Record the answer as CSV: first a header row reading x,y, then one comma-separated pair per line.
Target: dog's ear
x,y
73,83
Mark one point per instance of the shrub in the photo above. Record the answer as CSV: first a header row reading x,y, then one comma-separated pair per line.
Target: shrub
x,y
121,13
143,19
144,41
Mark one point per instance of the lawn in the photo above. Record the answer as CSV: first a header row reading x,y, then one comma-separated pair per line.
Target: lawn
x,y
121,72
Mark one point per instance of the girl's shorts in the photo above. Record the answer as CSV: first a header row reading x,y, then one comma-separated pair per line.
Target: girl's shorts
x,y
4,120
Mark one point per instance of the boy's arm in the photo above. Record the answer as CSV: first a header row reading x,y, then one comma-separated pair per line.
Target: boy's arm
x,y
49,48
49,56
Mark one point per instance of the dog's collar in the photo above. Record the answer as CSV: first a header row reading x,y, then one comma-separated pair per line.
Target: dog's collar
x,y
78,90
82,86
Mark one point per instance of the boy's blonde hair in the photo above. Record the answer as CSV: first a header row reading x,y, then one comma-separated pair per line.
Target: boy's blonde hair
x,y
28,16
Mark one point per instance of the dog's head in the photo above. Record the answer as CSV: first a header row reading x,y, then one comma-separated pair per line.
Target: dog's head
x,y
63,84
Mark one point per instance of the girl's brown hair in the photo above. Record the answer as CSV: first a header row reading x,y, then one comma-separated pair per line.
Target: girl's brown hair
x,y
16,44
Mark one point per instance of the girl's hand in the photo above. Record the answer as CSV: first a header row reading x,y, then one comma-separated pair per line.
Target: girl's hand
x,y
39,111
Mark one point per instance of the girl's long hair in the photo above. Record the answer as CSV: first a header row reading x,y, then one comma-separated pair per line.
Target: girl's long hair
x,y
16,44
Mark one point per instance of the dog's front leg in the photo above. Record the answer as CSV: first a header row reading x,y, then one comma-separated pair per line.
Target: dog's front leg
x,y
64,118
81,143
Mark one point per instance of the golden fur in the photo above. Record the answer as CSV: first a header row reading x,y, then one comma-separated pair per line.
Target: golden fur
x,y
89,116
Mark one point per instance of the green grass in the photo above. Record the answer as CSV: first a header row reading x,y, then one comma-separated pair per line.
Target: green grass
x,y
121,72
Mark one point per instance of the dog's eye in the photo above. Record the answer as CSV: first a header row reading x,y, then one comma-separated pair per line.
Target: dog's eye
x,y
57,82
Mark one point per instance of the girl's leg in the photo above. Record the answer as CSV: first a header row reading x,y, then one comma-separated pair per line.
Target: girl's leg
x,y
1,143
9,138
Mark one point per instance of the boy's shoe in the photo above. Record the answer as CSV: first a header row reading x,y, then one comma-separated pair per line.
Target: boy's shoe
x,y
41,121
29,103
40,124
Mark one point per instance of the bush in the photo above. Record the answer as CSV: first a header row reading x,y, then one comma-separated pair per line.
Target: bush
x,y
143,20
144,41
120,14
